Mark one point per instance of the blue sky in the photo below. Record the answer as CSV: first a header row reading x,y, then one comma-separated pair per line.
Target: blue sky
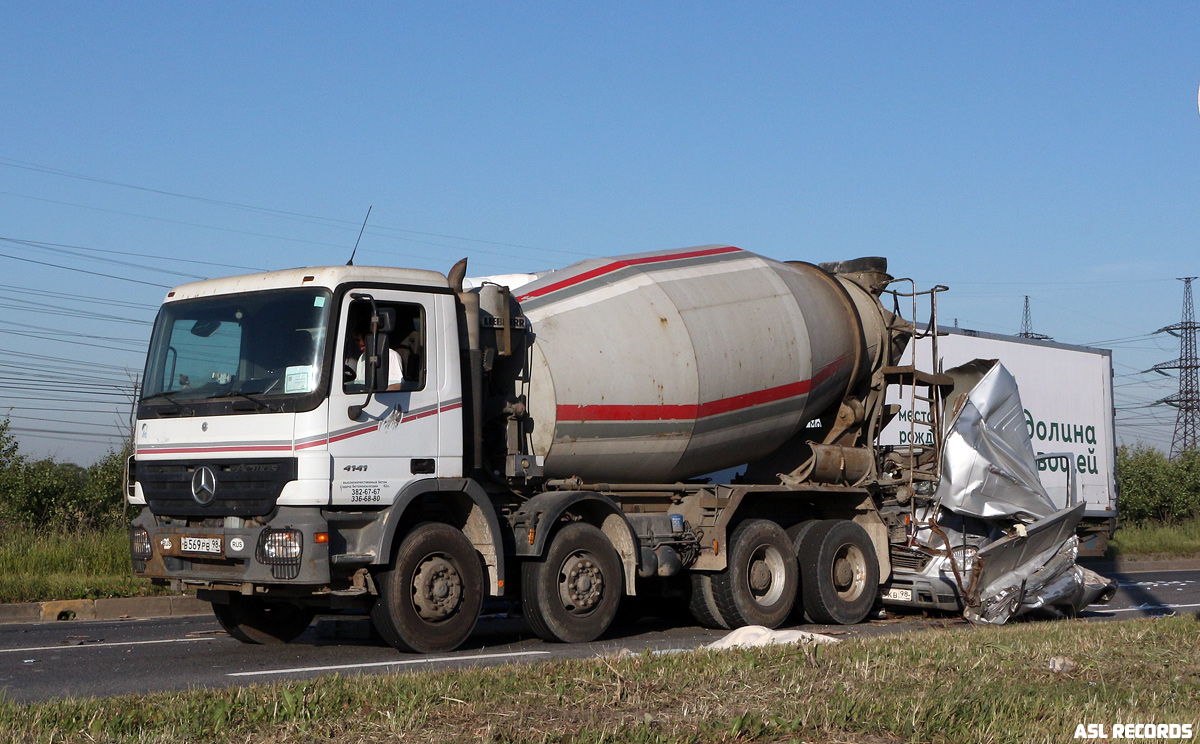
x,y
1003,150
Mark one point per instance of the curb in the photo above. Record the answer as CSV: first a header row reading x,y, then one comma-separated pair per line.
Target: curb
x,y
131,608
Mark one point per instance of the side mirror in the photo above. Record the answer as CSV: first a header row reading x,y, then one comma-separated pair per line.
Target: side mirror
x,y
378,364
385,319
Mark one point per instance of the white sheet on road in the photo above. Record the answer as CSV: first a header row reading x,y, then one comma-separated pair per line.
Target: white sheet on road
x,y
757,635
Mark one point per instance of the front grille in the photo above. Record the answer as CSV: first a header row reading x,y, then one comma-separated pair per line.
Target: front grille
x,y
906,560
244,488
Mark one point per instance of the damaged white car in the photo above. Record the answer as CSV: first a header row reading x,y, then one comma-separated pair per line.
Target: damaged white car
x,y
989,541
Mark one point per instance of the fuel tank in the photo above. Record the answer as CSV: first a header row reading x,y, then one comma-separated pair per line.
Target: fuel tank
x,y
656,367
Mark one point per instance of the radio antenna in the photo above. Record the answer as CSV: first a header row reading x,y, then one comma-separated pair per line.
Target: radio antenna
x,y
360,232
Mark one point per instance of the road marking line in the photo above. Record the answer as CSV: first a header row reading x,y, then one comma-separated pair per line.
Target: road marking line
x,y
1143,608
334,667
1155,584
101,644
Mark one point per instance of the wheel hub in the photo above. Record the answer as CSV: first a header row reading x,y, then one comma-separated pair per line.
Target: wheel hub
x,y
580,584
849,572
843,574
437,589
760,577
765,574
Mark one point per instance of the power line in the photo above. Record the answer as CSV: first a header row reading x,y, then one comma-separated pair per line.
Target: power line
x,y
43,308
84,271
327,221
59,359
72,296
117,408
70,436
57,332
70,251
64,421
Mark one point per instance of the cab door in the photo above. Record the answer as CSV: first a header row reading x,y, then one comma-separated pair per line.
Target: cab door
x,y
395,439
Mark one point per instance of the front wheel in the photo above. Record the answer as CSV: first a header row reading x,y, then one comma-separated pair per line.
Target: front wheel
x,y
256,620
840,572
572,595
429,598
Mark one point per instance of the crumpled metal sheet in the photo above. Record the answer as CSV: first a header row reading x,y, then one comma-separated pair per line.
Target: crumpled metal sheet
x,y
989,473
1057,588
988,466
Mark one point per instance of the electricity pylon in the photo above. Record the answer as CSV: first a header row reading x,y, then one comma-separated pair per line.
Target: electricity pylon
x,y
1187,400
1027,325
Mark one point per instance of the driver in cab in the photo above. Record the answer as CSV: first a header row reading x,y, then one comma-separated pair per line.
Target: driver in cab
x,y
395,367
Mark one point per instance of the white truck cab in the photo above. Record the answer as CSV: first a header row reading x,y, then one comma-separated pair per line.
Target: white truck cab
x,y
256,407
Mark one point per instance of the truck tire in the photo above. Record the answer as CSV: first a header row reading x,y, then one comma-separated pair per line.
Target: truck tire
x,y
256,620
759,584
703,605
797,533
429,598
839,572
572,594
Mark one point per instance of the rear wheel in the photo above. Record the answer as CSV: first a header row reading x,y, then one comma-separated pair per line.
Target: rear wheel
x,y
798,533
256,620
703,604
572,594
759,585
840,572
429,599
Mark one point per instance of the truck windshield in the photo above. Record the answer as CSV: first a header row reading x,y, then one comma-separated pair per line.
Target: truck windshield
x,y
260,345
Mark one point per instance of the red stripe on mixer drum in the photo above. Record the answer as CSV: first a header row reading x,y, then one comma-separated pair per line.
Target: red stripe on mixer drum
x,y
624,263
683,412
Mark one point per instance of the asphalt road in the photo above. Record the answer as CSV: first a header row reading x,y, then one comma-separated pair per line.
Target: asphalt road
x,y
99,659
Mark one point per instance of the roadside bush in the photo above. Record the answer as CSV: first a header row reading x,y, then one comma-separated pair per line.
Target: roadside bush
x,y
1154,488
45,493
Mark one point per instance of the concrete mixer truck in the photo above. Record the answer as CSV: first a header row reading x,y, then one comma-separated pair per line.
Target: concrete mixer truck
x,y
406,444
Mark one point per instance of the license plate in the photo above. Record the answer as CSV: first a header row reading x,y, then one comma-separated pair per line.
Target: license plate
x,y
201,545
899,595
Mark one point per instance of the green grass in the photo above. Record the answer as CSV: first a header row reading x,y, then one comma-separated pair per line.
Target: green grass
x,y
38,565
989,685
1154,540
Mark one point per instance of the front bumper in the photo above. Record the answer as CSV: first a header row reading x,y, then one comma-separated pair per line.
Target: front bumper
x,y
930,588
232,556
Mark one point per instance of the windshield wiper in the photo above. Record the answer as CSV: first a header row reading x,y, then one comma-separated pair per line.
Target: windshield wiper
x,y
259,404
167,396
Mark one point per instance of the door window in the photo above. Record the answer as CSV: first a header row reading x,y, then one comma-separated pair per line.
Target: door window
x,y
406,346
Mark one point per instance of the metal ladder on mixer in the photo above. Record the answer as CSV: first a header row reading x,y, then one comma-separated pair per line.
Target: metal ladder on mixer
x,y
926,388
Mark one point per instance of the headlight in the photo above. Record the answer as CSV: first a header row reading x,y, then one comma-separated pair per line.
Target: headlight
x,y
281,550
139,543
965,558
140,549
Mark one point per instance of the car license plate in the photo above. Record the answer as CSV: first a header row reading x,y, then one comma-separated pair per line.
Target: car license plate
x,y
899,595
201,545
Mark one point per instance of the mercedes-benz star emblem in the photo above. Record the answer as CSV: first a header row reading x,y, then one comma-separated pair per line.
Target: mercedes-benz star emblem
x,y
204,485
